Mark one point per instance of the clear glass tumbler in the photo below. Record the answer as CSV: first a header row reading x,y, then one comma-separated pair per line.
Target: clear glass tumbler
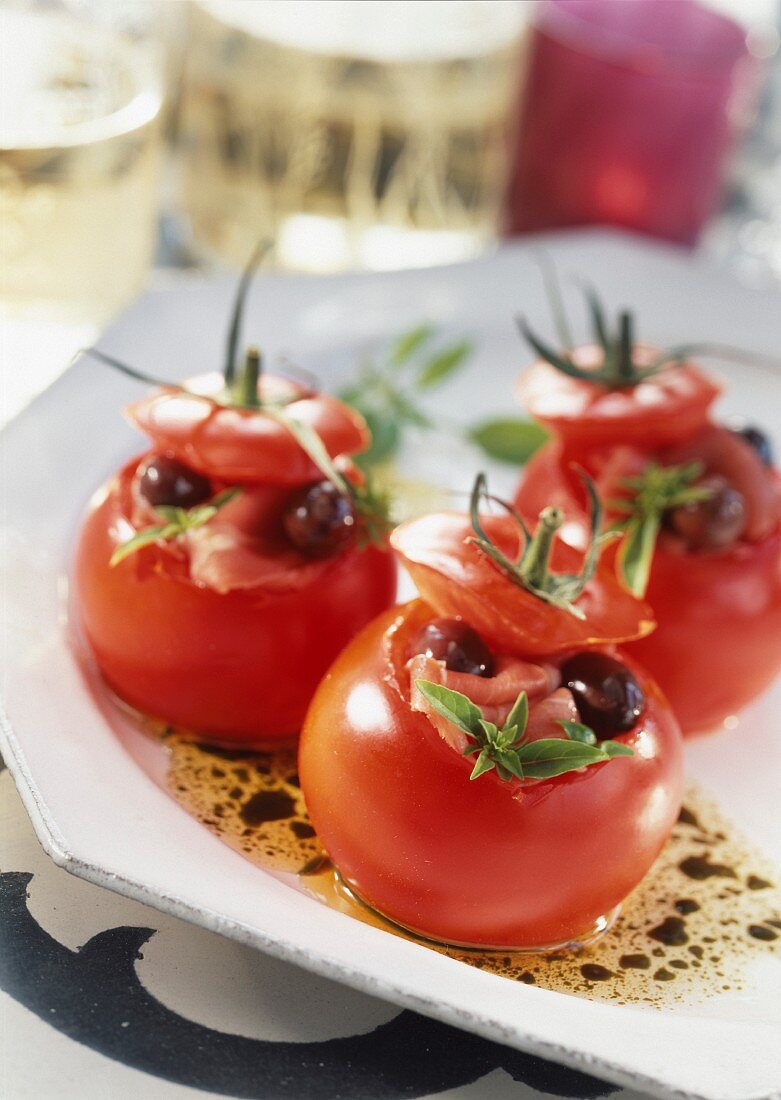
x,y
80,145
349,133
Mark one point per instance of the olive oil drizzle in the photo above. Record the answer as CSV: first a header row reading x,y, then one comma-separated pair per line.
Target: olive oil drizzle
x,y
709,905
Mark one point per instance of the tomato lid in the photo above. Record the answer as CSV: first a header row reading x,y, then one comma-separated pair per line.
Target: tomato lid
x,y
244,444
456,576
665,408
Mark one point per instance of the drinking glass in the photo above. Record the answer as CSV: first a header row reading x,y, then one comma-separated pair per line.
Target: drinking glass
x,y
80,151
350,133
80,144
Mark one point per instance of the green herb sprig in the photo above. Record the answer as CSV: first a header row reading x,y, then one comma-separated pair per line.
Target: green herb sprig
x,y
650,495
508,439
177,522
507,749
531,570
387,393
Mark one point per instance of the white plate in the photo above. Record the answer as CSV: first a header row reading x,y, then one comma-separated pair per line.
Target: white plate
x,y
104,818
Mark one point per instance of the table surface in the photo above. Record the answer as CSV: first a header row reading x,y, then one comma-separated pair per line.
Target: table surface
x,y
101,996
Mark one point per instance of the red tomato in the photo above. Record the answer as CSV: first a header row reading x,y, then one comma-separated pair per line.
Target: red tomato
x,y
238,665
484,862
718,640
241,444
667,408
457,578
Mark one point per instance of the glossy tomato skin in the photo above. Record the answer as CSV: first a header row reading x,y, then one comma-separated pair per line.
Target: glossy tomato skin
x,y
475,862
245,445
667,408
238,667
717,644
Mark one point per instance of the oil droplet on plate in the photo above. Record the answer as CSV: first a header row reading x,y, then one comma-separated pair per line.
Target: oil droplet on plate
x,y
708,905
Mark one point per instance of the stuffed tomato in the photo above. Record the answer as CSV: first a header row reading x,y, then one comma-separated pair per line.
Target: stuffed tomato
x,y
698,502
483,766
218,575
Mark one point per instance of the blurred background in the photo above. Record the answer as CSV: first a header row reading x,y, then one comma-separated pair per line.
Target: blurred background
x,y
143,138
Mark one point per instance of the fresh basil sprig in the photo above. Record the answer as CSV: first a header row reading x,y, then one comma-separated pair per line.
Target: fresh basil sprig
x,y
177,522
507,749
508,439
650,495
386,393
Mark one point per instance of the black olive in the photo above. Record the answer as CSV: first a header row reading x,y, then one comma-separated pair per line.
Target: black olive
x,y
759,441
608,697
319,520
457,644
168,481
711,524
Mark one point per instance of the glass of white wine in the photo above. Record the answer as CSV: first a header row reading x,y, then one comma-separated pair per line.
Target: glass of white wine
x,y
79,156
352,133
80,150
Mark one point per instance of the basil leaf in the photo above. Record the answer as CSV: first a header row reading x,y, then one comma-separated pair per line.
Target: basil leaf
x,y
452,705
408,343
553,756
143,538
519,715
197,516
408,411
224,497
615,748
385,437
636,552
577,731
310,442
445,363
508,764
170,513
508,439
483,764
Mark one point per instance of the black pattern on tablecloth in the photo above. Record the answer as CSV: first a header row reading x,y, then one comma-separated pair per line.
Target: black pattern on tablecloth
x,y
95,997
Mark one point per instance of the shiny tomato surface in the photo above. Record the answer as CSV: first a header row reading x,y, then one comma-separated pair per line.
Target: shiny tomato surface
x,y
665,409
244,445
454,575
483,862
717,644
238,665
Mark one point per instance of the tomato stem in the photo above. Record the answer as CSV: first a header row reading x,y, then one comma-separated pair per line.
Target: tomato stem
x,y
245,388
625,370
234,332
537,556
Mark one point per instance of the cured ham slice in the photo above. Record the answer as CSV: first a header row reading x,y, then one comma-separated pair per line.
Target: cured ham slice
x,y
495,695
546,716
243,546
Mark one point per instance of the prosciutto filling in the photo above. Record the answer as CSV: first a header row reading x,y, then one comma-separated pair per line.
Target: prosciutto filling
x,y
242,546
549,704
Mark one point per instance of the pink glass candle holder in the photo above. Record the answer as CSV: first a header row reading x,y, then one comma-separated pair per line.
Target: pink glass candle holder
x,y
631,109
